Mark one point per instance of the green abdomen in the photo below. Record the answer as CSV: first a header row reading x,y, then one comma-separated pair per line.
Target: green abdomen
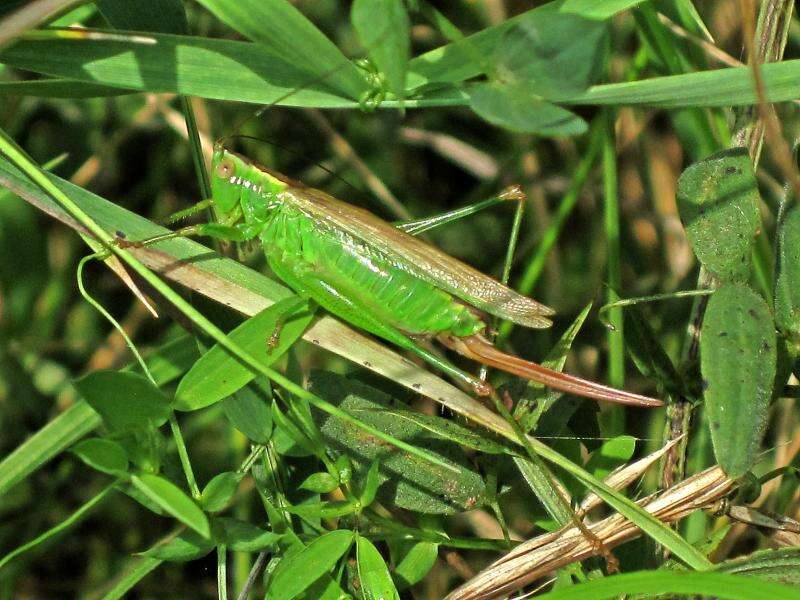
x,y
369,278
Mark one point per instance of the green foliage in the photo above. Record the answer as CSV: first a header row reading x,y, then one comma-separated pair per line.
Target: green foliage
x,y
518,107
383,28
104,455
533,51
219,491
126,401
718,203
416,563
217,374
738,354
296,572
787,282
376,582
405,481
172,500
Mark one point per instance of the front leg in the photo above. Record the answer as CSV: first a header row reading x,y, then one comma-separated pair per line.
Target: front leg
x,y
240,232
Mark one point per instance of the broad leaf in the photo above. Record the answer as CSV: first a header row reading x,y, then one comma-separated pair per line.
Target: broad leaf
x,y
533,51
376,583
102,454
242,536
125,400
405,481
718,205
248,411
295,573
519,108
218,492
737,360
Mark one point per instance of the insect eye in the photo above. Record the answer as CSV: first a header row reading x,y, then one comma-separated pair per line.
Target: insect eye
x,y
225,168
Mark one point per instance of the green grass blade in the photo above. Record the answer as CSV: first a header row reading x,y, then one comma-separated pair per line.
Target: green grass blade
x,y
140,568
246,72
283,30
63,526
52,439
153,62
59,88
653,583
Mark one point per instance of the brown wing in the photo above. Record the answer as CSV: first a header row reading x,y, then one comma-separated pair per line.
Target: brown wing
x,y
422,259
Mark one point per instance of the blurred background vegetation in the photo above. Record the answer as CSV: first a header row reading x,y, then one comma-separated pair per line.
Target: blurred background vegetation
x,y
133,150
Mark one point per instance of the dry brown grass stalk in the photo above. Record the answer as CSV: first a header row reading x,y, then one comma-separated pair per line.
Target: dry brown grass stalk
x,y
543,554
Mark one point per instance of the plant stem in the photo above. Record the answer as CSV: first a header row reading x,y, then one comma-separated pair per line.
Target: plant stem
x,y
613,417
222,572
184,456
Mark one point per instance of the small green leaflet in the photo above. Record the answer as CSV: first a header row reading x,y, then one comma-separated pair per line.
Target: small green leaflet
x,y
217,374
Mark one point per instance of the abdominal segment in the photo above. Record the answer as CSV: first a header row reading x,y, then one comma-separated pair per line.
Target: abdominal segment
x,y
369,278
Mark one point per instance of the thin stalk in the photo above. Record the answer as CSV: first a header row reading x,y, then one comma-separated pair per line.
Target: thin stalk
x,y
222,572
101,309
184,456
509,259
258,566
197,148
537,262
615,424
254,455
71,520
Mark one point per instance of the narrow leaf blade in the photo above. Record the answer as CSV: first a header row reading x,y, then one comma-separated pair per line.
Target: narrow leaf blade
x,y
170,498
376,583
